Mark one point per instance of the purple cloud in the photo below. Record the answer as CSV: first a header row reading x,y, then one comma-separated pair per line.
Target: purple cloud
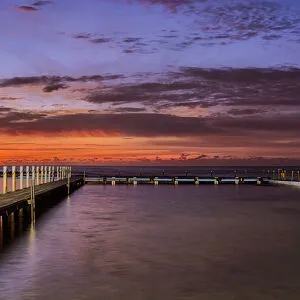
x,y
26,8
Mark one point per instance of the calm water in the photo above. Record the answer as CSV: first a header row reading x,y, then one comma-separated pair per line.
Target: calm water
x,y
160,242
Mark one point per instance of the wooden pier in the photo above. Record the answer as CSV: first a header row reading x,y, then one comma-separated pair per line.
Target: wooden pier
x,y
39,189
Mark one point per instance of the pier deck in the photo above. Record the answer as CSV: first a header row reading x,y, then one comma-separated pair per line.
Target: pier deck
x,y
12,201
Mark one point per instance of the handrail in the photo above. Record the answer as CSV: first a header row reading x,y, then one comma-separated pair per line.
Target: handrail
x,y
38,174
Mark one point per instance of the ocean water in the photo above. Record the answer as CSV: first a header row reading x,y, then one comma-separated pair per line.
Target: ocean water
x,y
160,242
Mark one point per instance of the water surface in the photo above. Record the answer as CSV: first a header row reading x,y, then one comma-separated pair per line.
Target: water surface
x,y
160,242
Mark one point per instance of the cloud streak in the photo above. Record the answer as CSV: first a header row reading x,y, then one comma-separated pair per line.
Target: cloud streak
x,y
53,83
26,8
42,3
253,90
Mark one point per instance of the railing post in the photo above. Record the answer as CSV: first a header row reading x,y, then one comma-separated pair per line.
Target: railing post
x,y
33,172
37,175
4,179
21,177
52,174
49,174
14,179
27,176
42,175
57,173
45,174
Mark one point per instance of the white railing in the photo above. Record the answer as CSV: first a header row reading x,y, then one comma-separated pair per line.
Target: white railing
x,y
37,174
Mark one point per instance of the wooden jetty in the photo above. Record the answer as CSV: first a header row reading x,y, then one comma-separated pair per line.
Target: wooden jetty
x,y
113,180
40,188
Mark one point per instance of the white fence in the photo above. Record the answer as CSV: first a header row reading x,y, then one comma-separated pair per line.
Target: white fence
x,y
14,178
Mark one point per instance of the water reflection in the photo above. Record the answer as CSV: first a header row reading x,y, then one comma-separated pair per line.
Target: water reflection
x,y
160,242
12,226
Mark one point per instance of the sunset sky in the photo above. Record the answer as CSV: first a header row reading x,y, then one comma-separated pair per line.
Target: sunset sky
x,y
116,82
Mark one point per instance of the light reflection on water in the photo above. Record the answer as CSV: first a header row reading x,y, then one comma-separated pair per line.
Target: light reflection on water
x,y
160,242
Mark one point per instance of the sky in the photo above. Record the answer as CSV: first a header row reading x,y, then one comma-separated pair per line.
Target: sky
x,y
150,82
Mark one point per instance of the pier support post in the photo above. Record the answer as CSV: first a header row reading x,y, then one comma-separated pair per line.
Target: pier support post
x,y
16,215
68,184
32,201
216,181
156,182
14,179
4,179
21,177
37,175
27,176
196,181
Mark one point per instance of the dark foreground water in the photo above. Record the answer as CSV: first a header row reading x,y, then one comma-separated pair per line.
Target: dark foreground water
x,y
160,242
